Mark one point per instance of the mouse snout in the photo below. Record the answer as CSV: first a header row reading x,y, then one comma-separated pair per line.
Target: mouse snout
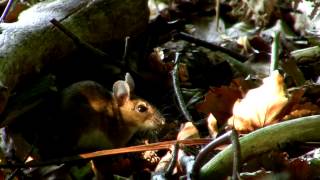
x,y
160,120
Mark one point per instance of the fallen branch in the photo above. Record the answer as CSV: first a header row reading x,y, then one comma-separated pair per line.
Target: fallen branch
x,y
211,46
263,140
78,41
32,43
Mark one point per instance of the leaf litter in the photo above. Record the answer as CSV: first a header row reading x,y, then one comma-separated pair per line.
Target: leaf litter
x,y
220,95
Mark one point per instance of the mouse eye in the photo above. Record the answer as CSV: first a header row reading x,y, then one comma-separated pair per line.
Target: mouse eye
x,y
142,108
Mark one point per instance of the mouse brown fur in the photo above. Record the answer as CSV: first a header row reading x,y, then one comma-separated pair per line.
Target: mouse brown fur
x,y
100,119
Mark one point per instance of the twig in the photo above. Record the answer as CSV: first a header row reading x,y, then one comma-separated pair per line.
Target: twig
x,y
217,8
77,40
203,154
177,90
236,154
16,112
166,165
102,153
125,63
15,172
242,68
29,99
173,161
6,10
125,51
314,10
214,47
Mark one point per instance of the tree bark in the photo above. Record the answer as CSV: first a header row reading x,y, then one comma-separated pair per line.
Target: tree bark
x,y
29,44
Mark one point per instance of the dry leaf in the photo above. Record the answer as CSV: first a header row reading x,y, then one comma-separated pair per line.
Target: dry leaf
x,y
212,126
157,64
219,102
261,105
299,169
302,110
183,72
188,131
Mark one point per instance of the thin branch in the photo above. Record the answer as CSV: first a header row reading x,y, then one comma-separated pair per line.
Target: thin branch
x,y
214,47
177,90
217,8
17,170
125,51
314,10
166,165
173,161
108,152
77,40
203,154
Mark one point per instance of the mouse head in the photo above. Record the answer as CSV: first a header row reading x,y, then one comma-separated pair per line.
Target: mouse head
x,y
134,111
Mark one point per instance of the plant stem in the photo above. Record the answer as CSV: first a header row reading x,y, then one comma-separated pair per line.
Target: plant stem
x,y
263,140
275,52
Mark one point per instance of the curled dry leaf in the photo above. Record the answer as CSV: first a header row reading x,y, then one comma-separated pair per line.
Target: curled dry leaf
x,y
212,126
261,105
163,164
188,131
157,64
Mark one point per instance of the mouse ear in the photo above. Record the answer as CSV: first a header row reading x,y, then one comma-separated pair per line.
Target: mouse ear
x,y
130,81
121,92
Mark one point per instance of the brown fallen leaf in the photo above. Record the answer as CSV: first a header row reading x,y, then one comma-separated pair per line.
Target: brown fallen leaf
x,y
299,169
261,105
188,131
157,64
301,110
219,102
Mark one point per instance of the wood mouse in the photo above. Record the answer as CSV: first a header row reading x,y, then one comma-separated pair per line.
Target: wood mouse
x,y
99,119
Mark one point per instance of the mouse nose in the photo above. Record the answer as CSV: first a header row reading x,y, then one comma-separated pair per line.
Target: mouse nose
x,y
163,121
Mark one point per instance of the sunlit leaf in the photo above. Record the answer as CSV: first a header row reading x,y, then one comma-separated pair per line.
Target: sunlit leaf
x,y
212,126
261,105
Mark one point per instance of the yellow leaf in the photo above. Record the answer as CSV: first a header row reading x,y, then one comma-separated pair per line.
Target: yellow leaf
x,y
261,105
212,126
